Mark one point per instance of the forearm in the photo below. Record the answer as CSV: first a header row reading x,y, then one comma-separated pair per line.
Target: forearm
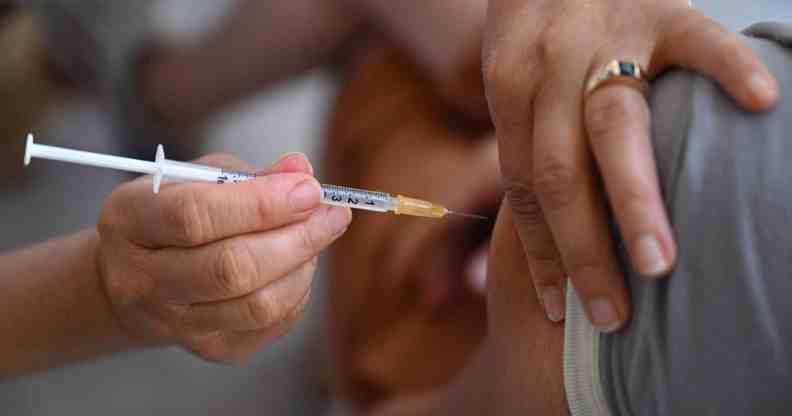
x,y
266,41
53,309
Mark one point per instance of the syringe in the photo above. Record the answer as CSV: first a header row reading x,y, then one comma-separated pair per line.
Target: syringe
x,y
165,169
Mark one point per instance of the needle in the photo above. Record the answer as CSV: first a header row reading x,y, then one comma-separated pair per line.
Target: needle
x,y
473,216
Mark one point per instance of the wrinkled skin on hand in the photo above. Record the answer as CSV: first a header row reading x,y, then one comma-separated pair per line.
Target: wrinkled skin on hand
x,y
221,270
567,157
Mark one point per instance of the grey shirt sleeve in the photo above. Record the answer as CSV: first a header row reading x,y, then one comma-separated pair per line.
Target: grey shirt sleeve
x,y
715,338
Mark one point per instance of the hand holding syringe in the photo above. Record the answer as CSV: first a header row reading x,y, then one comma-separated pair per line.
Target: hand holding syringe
x,y
163,169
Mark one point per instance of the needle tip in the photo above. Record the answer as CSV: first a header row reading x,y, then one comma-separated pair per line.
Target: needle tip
x,y
473,216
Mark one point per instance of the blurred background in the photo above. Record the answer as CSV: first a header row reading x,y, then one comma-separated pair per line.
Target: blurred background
x,y
50,199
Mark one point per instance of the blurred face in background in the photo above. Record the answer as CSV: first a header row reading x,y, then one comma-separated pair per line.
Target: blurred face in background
x,y
407,305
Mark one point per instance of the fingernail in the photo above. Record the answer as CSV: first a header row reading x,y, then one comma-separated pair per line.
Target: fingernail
x,y
290,155
299,160
286,157
650,259
338,219
553,303
603,315
278,162
305,196
762,87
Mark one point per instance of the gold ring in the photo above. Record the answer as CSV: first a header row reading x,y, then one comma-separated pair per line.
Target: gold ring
x,y
628,73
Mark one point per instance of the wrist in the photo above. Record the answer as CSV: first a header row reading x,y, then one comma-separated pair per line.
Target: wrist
x,y
55,310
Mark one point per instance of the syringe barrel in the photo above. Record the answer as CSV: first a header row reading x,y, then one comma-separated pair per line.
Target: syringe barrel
x,y
183,171
357,198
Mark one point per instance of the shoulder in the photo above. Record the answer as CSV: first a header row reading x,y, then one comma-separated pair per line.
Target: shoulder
x,y
724,173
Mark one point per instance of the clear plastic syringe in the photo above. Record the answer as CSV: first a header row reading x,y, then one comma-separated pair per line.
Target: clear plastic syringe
x,y
162,169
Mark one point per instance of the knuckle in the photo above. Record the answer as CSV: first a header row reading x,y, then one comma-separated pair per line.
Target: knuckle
x,y
498,75
505,72
237,268
117,288
214,349
110,218
264,310
524,203
549,46
498,58
123,282
266,206
299,310
556,182
187,220
177,319
311,238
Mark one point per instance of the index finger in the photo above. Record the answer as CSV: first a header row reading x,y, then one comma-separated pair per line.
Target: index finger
x,y
193,214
